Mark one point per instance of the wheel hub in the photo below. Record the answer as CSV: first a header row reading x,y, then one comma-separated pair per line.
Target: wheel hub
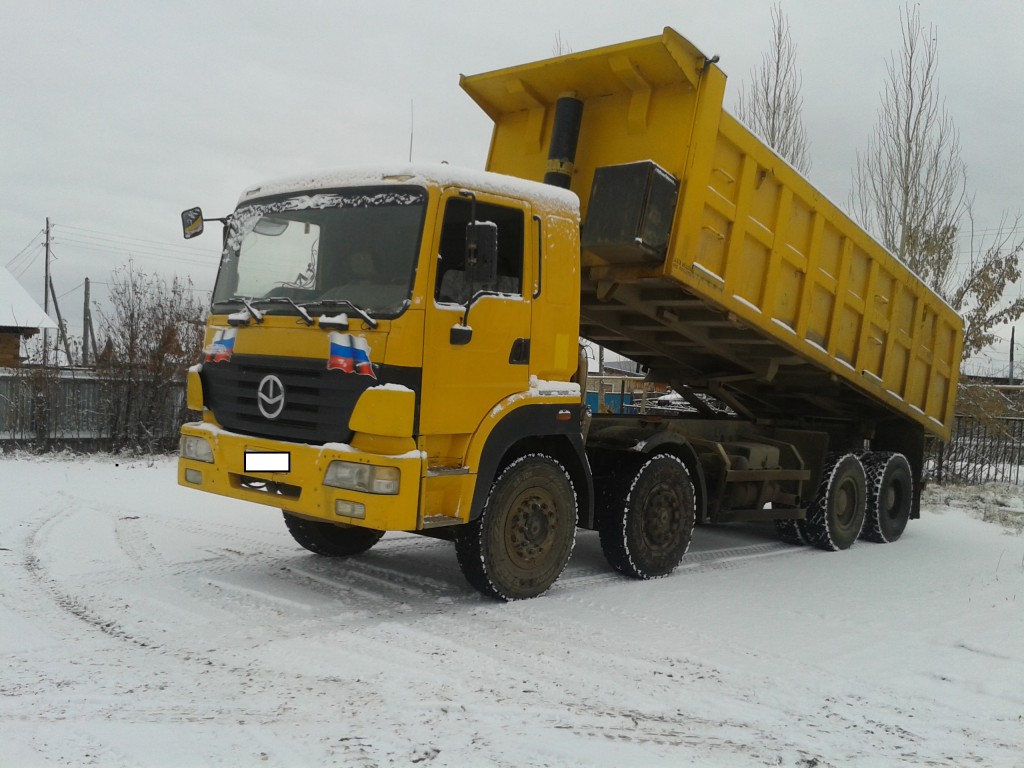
x,y
661,517
846,503
529,532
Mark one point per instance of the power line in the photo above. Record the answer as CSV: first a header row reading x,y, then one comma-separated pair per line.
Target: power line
x,y
81,232
29,264
120,242
109,286
72,290
31,243
134,251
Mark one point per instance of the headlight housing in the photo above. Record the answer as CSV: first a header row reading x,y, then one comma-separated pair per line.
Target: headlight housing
x,y
196,448
367,478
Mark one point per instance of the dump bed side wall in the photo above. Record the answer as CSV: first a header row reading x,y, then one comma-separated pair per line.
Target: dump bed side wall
x,y
756,238
766,286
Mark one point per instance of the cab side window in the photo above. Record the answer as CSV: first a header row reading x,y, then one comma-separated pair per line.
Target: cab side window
x,y
453,283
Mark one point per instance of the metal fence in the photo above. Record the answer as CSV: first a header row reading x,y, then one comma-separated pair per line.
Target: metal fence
x,y
980,452
43,408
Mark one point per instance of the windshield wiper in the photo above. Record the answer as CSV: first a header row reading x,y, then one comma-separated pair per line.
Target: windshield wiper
x,y
238,318
251,305
363,314
287,300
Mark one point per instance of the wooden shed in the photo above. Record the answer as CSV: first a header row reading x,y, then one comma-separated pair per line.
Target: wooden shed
x,y
20,318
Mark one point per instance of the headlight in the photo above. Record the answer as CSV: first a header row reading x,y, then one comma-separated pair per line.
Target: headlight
x,y
367,478
196,448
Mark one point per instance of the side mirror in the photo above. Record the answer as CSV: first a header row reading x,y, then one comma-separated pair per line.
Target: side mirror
x,y
482,252
192,223
460,335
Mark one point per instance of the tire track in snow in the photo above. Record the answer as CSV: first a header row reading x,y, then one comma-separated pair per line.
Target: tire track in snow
x,y
696,562
133,540
69,603
379,581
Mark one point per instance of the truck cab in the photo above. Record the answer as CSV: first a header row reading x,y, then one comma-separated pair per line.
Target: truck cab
x,y
394,334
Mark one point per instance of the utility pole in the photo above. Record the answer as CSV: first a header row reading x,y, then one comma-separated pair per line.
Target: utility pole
x,y
62,331
85,326
46,295
1012,330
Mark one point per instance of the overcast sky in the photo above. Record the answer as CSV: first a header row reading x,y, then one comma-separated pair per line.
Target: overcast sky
x,y
115,116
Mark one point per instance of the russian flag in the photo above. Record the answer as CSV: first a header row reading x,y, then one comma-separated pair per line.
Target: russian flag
x,y
221,346
350,354
341,353
226,346
214,345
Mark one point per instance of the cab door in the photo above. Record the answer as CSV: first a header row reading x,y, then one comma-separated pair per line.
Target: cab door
x,y
467,375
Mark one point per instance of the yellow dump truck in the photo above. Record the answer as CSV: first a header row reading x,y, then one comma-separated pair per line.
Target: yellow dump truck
x,y
397,349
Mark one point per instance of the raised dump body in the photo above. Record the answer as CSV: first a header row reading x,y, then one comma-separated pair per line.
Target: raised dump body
x,y
735,275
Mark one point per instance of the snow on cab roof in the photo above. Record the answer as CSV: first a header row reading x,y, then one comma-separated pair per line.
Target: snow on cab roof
x,y
442,175
17,309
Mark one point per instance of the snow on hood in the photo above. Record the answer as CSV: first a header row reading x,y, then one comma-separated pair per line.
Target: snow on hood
x,y
17,308
419,174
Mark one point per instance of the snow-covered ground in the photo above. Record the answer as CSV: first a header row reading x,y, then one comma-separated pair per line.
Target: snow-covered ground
x,y
145,624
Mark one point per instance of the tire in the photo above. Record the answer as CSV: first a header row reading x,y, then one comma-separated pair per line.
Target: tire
x,y
647,520
836,516
521,541
790,532
328,539
890,496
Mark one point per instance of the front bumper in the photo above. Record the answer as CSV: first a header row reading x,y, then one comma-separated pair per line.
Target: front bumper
x,y
301,490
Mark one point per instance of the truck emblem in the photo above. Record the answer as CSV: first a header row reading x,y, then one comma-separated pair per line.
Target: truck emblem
x,y
270,396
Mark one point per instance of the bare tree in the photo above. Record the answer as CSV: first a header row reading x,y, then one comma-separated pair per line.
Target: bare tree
x,y
561,46
909,186
910,190
772,106
153,334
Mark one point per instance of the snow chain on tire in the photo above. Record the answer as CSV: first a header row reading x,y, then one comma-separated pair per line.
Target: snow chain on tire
x,y
836,516
790,532
890,496
647,518
522,540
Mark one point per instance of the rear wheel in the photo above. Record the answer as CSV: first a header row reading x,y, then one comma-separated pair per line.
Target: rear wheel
x,y
789,531
521,541
647,520
890,496
328,539
836,516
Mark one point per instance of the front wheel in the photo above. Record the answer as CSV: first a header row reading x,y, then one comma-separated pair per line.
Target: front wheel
x,y
328,539
521,541
647,520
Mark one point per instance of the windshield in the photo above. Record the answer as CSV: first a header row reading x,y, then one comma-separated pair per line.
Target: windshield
x,y
327,249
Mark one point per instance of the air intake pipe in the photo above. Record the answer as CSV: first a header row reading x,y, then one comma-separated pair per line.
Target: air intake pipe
x,y
565,136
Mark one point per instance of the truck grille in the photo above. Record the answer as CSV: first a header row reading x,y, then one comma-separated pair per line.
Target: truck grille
x,y
317,401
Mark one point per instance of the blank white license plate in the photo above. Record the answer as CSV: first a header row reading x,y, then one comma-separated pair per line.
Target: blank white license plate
x,y
268,461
